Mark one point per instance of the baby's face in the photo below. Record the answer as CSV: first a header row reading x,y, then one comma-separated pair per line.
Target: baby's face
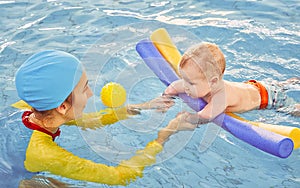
x,y
196,84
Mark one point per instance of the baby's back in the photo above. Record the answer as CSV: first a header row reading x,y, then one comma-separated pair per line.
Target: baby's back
x,y
241,97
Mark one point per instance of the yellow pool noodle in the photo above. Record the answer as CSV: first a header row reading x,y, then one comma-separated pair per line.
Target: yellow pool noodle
x,y
164,44
169,51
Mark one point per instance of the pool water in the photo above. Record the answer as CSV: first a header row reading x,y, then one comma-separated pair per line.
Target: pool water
x,y
260,40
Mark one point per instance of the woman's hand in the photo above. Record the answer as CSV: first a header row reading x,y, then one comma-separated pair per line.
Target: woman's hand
x,y
161,104
193,118
180,123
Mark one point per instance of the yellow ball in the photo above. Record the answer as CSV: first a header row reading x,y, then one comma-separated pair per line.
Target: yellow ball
x,y
113,95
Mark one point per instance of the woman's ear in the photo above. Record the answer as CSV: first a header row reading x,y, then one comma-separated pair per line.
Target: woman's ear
x,y
63,108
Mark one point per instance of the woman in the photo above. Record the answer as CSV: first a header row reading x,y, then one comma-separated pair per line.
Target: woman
x,y
55,85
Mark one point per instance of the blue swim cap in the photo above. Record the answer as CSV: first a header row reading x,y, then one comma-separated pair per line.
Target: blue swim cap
x,y
47,78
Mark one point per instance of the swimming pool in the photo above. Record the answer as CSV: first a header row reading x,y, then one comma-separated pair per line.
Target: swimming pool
x,y
259,38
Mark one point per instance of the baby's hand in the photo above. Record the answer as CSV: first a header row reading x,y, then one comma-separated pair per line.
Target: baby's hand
x,y
175,88
170,90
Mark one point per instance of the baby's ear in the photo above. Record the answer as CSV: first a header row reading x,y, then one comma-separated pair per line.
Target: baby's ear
x,y
214,81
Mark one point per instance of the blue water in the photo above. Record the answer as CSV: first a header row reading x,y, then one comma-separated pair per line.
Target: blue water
x,y
260,39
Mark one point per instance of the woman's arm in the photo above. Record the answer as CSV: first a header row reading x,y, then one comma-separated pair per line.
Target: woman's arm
x,y
112,115
102,118
177,124
45,155
161,103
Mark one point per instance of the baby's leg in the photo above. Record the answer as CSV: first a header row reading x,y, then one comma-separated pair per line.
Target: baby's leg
x,y
284,96
296,110
292,81
293,109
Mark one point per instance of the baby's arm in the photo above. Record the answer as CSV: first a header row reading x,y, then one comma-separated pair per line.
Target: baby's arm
x,y
175,88
215,107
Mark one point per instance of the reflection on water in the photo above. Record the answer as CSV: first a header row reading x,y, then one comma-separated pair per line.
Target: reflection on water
x,y
259,38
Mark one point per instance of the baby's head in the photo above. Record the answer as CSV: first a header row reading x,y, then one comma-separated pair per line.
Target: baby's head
x,y
202,68
207,57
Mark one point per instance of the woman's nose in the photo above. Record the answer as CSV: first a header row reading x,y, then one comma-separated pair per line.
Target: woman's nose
x,y
90,92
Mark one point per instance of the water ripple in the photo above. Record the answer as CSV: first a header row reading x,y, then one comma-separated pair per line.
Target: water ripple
x,y
260,39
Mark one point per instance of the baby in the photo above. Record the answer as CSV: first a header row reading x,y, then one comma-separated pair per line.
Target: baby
x,y
202,68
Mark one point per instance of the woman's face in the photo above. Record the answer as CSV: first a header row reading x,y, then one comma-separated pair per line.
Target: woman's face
x,y
80,95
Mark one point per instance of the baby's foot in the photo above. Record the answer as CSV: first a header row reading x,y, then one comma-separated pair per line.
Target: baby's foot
x,y
296,111
293,110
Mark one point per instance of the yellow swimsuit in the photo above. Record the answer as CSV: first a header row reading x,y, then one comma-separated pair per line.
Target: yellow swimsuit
x,y
43,154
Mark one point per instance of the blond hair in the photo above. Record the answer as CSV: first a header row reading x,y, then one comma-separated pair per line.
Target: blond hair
x,y
208,57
